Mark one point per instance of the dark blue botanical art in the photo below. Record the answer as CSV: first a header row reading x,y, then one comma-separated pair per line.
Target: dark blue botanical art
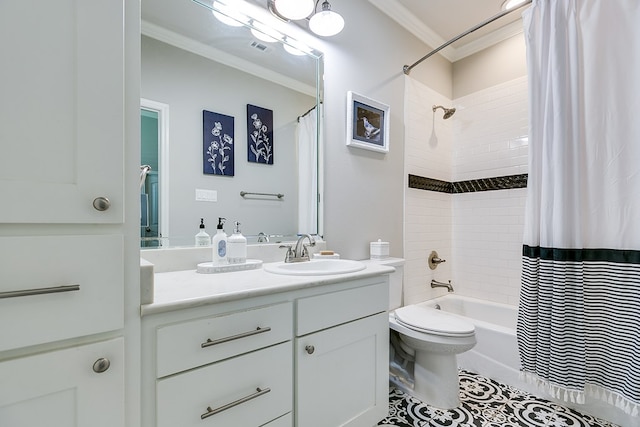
x,y
217,142
260,135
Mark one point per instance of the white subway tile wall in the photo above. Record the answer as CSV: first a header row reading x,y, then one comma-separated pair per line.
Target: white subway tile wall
x,y
491,132
479,234
428,214
428,221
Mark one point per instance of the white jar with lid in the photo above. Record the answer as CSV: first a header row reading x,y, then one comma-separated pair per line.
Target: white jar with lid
x,y
379,250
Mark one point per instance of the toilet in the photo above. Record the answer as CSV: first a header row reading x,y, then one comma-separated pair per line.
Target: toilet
x,y
433,338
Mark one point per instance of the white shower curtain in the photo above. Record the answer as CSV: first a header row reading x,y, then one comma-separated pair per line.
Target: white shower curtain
x,y
579,321
307,135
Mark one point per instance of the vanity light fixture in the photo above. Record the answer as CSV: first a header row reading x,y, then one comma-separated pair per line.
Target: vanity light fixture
x,y
327,22
293,9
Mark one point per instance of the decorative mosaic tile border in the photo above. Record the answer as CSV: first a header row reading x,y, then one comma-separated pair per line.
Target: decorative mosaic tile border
x,y
483,184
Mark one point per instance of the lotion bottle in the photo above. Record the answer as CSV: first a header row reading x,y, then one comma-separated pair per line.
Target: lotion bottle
x,y
237,246
219,243
202,238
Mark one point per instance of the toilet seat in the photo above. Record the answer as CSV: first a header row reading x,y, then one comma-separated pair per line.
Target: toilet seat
x,y
432,321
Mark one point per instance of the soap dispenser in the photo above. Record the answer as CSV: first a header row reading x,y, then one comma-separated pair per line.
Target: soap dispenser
x,y
237,246
202,238
219,243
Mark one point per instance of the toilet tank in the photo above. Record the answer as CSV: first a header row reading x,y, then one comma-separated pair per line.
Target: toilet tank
x,y
395,279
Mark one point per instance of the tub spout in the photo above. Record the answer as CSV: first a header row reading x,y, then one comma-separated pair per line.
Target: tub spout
x,y
436,284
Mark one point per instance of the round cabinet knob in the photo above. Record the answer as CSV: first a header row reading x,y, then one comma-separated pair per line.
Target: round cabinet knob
x,y
310,349
101,203
101,365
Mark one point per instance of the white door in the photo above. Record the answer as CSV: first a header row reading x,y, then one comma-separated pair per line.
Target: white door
x,y
65,388
342,374
61,111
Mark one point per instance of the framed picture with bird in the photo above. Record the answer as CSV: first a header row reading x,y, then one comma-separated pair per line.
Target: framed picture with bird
x,y
367,123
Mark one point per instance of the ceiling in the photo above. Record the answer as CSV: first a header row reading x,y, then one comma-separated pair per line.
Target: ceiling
x,y
438,21
188,25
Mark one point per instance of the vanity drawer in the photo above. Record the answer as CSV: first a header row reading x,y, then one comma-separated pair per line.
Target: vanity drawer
x,y
58,287
199,342
327,310
254,388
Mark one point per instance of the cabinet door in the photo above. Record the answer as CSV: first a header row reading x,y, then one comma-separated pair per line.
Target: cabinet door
x,y
342,374
61,111
61,389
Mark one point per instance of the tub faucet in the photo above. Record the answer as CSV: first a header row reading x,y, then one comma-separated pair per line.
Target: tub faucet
x,y
436,284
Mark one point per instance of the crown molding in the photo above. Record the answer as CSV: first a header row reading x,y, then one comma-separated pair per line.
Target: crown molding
x,y
415,26
489,40
185,43
396,11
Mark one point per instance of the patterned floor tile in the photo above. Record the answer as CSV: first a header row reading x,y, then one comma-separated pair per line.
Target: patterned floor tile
x,y
485,403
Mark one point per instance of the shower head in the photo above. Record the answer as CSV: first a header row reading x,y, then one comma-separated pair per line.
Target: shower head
x,y
448,112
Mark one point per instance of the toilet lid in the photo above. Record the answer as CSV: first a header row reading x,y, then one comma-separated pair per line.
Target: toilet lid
x,y
433,321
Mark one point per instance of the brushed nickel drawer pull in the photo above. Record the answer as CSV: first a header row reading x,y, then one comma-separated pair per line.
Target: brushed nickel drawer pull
x,y
259,392
211,342
39,291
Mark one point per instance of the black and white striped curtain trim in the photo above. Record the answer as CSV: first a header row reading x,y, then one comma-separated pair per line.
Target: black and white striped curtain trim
x,y
579,255
579,323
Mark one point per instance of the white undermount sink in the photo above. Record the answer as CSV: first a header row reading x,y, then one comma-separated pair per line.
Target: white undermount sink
x,y
316,267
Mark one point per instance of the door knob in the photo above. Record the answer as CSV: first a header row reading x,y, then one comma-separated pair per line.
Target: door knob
x,y
310,349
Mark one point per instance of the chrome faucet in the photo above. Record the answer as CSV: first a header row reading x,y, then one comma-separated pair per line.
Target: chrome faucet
x,y
300,253
436,284
262,237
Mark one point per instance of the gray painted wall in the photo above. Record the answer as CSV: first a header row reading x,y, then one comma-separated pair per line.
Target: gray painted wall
x,y
363,198
497,64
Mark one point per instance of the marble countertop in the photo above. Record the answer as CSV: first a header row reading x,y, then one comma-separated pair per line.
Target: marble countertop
x,y
177,290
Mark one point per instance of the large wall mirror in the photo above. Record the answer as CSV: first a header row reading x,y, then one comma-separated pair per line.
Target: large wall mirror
x,y
207,87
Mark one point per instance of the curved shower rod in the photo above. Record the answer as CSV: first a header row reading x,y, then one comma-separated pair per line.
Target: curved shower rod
x,y
407,68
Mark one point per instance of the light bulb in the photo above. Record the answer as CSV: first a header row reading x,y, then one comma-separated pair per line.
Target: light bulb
x,y
326,23
294,9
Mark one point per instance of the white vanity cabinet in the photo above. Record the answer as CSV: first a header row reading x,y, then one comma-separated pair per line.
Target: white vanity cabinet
x,y
61,113
342,358
308,354
225,364
62,256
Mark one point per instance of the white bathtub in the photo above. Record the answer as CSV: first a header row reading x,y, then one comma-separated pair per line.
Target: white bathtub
x,y
496,353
